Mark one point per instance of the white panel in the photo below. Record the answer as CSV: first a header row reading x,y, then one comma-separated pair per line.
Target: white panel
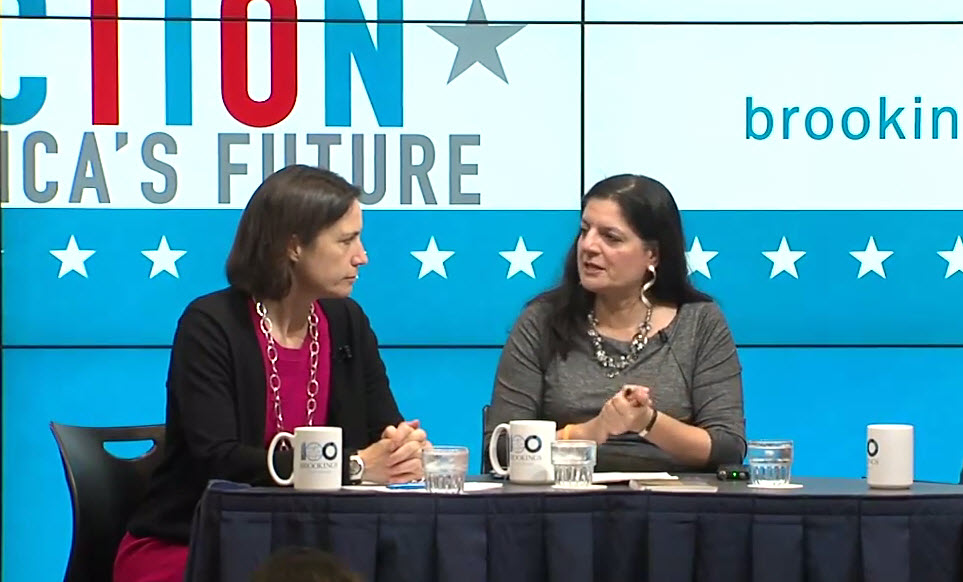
x,y
769,10
671,102
527,126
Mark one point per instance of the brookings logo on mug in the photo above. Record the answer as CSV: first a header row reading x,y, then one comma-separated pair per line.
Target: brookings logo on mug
x,y
317,457
889,456
529,451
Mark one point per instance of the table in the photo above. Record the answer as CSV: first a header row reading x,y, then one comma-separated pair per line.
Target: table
x,y
830,530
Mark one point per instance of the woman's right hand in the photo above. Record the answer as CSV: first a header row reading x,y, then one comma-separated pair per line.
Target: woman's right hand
x,y
624,411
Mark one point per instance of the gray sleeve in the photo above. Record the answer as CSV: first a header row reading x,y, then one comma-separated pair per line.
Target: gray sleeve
x,y
517,393
717,390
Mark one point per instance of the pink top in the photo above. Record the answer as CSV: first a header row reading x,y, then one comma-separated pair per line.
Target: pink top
x,y
156,560
294,370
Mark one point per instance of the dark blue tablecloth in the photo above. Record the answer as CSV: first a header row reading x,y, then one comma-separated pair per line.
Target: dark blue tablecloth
x,y
817,534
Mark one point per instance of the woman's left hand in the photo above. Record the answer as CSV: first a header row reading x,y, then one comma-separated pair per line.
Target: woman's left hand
x,y
408,440
385,462
409,430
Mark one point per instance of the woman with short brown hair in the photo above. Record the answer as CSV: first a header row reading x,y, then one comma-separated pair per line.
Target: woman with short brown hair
x,y
283,346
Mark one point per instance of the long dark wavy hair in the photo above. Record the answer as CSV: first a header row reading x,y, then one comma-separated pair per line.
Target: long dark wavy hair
x,y
650,210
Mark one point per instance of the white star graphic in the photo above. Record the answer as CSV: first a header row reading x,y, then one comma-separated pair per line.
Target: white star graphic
x,y
432,259
698,259
871,259
520,260
163,259
72,258
784,259
954,258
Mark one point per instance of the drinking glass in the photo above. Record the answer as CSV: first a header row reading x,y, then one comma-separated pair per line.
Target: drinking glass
x,y
445,469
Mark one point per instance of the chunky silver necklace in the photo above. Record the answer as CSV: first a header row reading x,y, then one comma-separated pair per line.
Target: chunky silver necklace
x,y
274,379
613,366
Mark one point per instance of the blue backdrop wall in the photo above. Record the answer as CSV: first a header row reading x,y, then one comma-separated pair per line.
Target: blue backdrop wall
x,y
817,167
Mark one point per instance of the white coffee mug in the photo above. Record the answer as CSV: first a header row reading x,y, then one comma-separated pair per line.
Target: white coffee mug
x,y
529,451
317,458
889,456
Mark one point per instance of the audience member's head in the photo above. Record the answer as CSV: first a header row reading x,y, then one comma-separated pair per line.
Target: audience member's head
x,y
297,564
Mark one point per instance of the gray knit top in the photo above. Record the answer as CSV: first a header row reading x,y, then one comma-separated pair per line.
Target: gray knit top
x,y
691,368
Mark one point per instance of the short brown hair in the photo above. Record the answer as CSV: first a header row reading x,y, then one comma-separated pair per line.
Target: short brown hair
x,y
295,201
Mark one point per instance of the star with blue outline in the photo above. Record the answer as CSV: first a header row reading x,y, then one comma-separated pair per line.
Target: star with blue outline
x,y
164,259
520,260
953,258
72,258
784,259
432,259
698,259
871,259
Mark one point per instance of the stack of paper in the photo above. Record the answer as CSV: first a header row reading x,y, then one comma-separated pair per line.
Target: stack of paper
x,y
687,486
470,487
626,477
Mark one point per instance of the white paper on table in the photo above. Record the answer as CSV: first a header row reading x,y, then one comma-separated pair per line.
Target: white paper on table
x,y
626,477
470,487
673,487
379,489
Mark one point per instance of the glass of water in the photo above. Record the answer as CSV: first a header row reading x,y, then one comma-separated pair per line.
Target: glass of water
x,y
445,469
770,463
574,462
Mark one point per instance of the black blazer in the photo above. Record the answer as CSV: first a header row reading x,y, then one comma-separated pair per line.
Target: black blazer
x,y
216,390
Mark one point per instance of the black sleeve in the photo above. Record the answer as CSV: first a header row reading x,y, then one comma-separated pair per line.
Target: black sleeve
x,y
204,391
382,410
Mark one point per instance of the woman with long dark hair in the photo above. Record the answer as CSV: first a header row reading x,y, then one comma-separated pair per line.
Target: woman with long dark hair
x,y
625,351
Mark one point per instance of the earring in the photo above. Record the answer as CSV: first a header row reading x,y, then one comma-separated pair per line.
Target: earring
x,y
646,286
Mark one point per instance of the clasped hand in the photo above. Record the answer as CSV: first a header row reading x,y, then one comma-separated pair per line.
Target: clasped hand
x,y
629,410
396,457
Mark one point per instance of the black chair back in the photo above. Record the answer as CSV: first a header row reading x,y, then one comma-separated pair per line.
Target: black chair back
x,y
104,491
486,466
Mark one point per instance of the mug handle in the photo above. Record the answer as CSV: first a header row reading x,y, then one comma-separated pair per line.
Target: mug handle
x,y
493,450
270,458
